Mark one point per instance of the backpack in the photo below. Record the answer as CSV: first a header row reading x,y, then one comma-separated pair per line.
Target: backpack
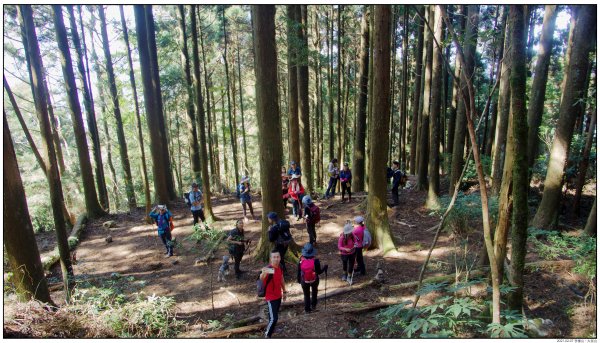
x,y
186,197
261,289
366,238
171,225
285,236
307,270
315,214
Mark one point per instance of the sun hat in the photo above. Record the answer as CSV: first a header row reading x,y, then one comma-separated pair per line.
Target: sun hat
x,y
194,185
348,229
272,215
161,207
292,162
307,200
308,250
245,179
359,219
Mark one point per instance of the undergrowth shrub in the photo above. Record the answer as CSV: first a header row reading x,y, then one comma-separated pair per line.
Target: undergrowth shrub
x,y
42,219
465,217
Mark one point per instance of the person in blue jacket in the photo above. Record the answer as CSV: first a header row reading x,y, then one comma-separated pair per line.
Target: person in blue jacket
x,y
294,169
161,215
398,179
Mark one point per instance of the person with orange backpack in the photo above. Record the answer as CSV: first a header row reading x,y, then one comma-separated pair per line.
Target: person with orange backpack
x,y
309,269
312,215
162,217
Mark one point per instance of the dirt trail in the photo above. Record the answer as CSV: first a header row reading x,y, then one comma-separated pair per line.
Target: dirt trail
x,y
136,251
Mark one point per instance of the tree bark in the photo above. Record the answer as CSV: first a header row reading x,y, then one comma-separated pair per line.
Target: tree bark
x,y
138,122
208,212
416,98
232,127
378,128
404,93
423,149
90,111
461,18
584,163
590,227
246,165
292,60
267,111
303,104
434,127
19,240
540,79
358,165
53,177
340,70
573,90
520,177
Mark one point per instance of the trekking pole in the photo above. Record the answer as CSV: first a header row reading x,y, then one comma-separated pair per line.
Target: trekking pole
x,y
352,277
325,290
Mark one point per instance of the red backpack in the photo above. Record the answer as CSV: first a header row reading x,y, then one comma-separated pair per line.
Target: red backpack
x,y
307,270
315,214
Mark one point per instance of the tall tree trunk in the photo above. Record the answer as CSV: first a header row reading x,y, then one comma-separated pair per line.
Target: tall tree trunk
x,y
246,165
590,227
225,165
213,143
584,163
423,154
498,149
540,79
191,125
91,199
163,184
117,112
461,19
404,95
292,48
393,86
377,220
494,106
434,127
318,122
329,38
19,240
232,128
416,97
208,212
519,172
89,108
458,146
572,91
303,104
358,166
267,111
339,67
53,177
138,121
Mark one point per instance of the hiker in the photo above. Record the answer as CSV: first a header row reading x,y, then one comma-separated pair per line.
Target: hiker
x,y
359,232
196,199
347,248
275,292
237,246
245,197
162,216
333,173
398,179
346,181
284,186
309,269
280,235
296,192
294,169
312,215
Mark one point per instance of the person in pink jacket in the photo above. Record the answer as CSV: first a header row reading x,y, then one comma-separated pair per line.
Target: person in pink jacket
x,y
347,247
359,232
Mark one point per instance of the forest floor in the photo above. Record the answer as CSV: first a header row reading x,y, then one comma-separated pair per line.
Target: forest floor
x,y
137,253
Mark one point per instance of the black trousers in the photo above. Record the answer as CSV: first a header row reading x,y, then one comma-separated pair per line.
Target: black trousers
x,y
346,188
395,196
360,261
331,187
249,203
166,239
297,208
348,262
310,291
198,214
282,250
273,307
237,259
312,233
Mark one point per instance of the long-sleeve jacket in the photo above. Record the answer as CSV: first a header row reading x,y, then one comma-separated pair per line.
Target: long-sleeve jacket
x,y
350,244
318,269
332,170
294,190
162,221
359,232
396,178
346,176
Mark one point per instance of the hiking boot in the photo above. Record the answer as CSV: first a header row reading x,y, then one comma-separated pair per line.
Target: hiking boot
x,y
307,312
349,281
344,277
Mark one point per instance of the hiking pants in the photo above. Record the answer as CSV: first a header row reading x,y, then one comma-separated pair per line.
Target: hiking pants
x,y
360,261
282,250
166,239
395,196
310,303
237,259
312,233
273,307
297,208
348,262
346,187
249,203
198,214
331,187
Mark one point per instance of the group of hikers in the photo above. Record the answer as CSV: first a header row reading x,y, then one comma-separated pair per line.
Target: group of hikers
x,y
271,281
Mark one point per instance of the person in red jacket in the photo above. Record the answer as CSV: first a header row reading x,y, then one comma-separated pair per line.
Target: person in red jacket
x,y
359,232
296,192
347,247
275,291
